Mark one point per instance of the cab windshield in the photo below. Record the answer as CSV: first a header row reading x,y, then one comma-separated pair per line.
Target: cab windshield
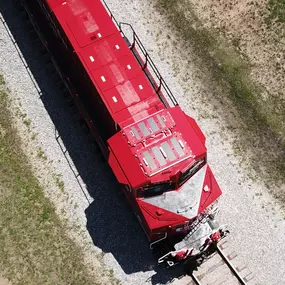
x,y
191,171
165,186
157,189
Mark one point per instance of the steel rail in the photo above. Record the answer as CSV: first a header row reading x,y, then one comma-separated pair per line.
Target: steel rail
x,y
230,266
195,279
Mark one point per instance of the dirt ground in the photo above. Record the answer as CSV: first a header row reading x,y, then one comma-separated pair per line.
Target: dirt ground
x,y
239,49
256,29
247,24
4,281
36,246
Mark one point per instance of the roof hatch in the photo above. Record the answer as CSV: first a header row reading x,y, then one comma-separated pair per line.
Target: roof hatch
x,y
148,127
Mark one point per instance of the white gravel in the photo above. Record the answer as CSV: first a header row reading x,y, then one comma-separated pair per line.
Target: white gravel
x,y
255,220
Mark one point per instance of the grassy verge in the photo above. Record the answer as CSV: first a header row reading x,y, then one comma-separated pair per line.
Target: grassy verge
x,y
264,130
227,66
34,248
277,11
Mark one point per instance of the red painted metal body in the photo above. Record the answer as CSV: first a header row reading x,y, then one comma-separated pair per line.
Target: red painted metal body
x,y
156,151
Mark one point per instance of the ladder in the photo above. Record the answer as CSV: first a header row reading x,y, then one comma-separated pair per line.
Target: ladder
x,y
201,219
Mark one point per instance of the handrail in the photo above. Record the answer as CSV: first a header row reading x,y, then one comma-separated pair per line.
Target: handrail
x,y
160,83
148,65
161,259
152,243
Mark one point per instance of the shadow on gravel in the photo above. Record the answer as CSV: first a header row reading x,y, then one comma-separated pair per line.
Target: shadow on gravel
x,y
110,221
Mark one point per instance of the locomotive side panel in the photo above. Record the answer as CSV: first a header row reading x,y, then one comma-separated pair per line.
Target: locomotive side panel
x,y
90,103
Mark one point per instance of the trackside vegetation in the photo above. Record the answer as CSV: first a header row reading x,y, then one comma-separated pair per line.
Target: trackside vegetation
x,y
277,10
264,121
34,248
228,65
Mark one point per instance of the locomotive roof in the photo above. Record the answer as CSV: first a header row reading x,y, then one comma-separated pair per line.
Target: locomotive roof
x,y
151,139
156,143
117,75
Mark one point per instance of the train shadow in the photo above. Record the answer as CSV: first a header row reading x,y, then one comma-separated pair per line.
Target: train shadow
x,y
110,222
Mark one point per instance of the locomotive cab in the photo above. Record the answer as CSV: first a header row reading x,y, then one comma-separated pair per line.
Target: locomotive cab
x,y
163,161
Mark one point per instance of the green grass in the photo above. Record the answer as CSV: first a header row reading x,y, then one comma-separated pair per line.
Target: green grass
x,y
263,131
41,154
228,66
1,80
27,122
59,183
34,247
277,11
33,137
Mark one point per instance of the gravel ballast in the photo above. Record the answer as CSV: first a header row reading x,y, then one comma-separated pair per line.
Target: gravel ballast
x,y
256,224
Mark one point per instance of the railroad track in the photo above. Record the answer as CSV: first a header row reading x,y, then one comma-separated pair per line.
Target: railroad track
x,y
223,268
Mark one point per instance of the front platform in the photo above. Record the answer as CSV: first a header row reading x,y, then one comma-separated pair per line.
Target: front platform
x,y
196,239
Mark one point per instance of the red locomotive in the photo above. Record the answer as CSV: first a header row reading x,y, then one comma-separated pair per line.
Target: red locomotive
x,y
156,151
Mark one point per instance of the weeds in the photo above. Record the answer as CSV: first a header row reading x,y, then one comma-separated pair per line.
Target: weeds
x,y
277,11
34,248
1,80
59,183
263,131
41,154
27,122
33,137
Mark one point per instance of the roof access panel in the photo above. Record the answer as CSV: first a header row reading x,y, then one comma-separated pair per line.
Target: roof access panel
x,y
80,15
128,163
163,145
148,127
138,111
164,154
132,92
105,51
116,72
184,126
